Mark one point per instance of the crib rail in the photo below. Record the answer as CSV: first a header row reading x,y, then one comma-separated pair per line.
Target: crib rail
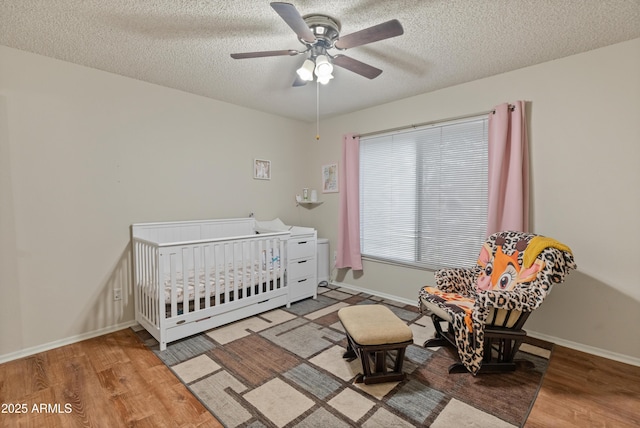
x,y
177,283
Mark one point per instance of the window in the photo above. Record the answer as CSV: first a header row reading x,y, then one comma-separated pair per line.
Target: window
x,y
423,194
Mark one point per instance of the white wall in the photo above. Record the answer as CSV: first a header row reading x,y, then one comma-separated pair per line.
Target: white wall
x,y
585,147
83,155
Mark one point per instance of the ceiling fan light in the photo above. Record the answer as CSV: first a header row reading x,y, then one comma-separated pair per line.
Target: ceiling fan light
x,y
323,66
306,71
325,79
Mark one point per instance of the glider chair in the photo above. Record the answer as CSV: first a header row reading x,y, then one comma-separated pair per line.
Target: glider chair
x,y
481,311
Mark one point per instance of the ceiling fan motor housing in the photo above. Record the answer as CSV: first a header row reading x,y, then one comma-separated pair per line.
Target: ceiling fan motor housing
x,y
325,28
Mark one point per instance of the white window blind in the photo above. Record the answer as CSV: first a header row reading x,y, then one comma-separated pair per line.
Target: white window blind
x,y
423,194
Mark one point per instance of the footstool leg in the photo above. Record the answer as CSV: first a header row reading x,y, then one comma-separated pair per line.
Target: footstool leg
x,y
350,354
381,361
366,363
378,358
399,360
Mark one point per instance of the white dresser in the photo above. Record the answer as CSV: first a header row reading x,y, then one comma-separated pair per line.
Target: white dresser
x,y
302,271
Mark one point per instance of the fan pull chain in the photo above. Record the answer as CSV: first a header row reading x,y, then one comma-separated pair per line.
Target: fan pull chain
x,y
317,110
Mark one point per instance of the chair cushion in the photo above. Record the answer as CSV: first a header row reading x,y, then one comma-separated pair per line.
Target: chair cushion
x,y
444,305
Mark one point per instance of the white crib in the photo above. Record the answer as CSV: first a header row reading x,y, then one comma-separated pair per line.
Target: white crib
x,y
192,276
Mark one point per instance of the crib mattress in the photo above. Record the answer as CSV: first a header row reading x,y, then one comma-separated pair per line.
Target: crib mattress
x,y
237,278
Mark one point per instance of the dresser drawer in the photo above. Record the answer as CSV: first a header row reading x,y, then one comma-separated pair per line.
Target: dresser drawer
x,y
302,247
301,288
302,267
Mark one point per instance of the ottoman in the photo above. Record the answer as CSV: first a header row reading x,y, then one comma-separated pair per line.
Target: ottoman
x,y
378,338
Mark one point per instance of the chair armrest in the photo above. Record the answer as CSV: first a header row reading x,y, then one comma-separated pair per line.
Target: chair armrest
x,y
457,280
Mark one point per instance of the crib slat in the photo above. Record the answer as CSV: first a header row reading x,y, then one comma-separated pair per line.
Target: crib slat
x,y
185,282
207,276
197,275
174,291
234,271
227,274
218,268
149,283
145,260
263,263
246,270
281,272
157,298
267,268
137,275
252,256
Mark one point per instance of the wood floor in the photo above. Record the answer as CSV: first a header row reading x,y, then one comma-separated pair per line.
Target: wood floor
x,y
109,381
583,390
115,381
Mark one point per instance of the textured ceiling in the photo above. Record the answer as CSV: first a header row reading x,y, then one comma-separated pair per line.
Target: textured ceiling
x,y
185,44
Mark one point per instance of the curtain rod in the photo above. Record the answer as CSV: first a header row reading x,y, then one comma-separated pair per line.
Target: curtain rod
x,y
402,128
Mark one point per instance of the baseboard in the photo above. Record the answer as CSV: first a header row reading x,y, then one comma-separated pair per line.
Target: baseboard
x,y
62,342
562,342
587,349
375,293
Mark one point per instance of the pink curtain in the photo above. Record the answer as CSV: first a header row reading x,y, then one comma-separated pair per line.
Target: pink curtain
x,y
349,215
508,169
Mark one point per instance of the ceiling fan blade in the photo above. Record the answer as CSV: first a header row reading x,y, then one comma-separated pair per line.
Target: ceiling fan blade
x,y
292,17
378,32
245,55
356,66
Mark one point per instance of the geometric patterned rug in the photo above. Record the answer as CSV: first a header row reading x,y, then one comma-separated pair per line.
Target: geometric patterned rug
x,y
284,368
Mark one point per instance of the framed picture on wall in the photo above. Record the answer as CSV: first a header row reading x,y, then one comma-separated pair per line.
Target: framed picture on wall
x,y
261,169
330,178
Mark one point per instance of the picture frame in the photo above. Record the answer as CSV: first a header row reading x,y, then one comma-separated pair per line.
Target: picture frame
x,y
330,178
261,169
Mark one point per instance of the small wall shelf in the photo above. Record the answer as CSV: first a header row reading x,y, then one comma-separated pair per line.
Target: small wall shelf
x,y
308,204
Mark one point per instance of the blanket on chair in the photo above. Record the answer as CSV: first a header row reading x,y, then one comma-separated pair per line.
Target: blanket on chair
x,y
515,271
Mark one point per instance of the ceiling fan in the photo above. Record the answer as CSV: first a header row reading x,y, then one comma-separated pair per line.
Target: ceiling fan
x,y
320,33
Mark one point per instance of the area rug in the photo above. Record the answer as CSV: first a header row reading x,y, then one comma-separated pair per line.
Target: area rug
x,y
284,368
